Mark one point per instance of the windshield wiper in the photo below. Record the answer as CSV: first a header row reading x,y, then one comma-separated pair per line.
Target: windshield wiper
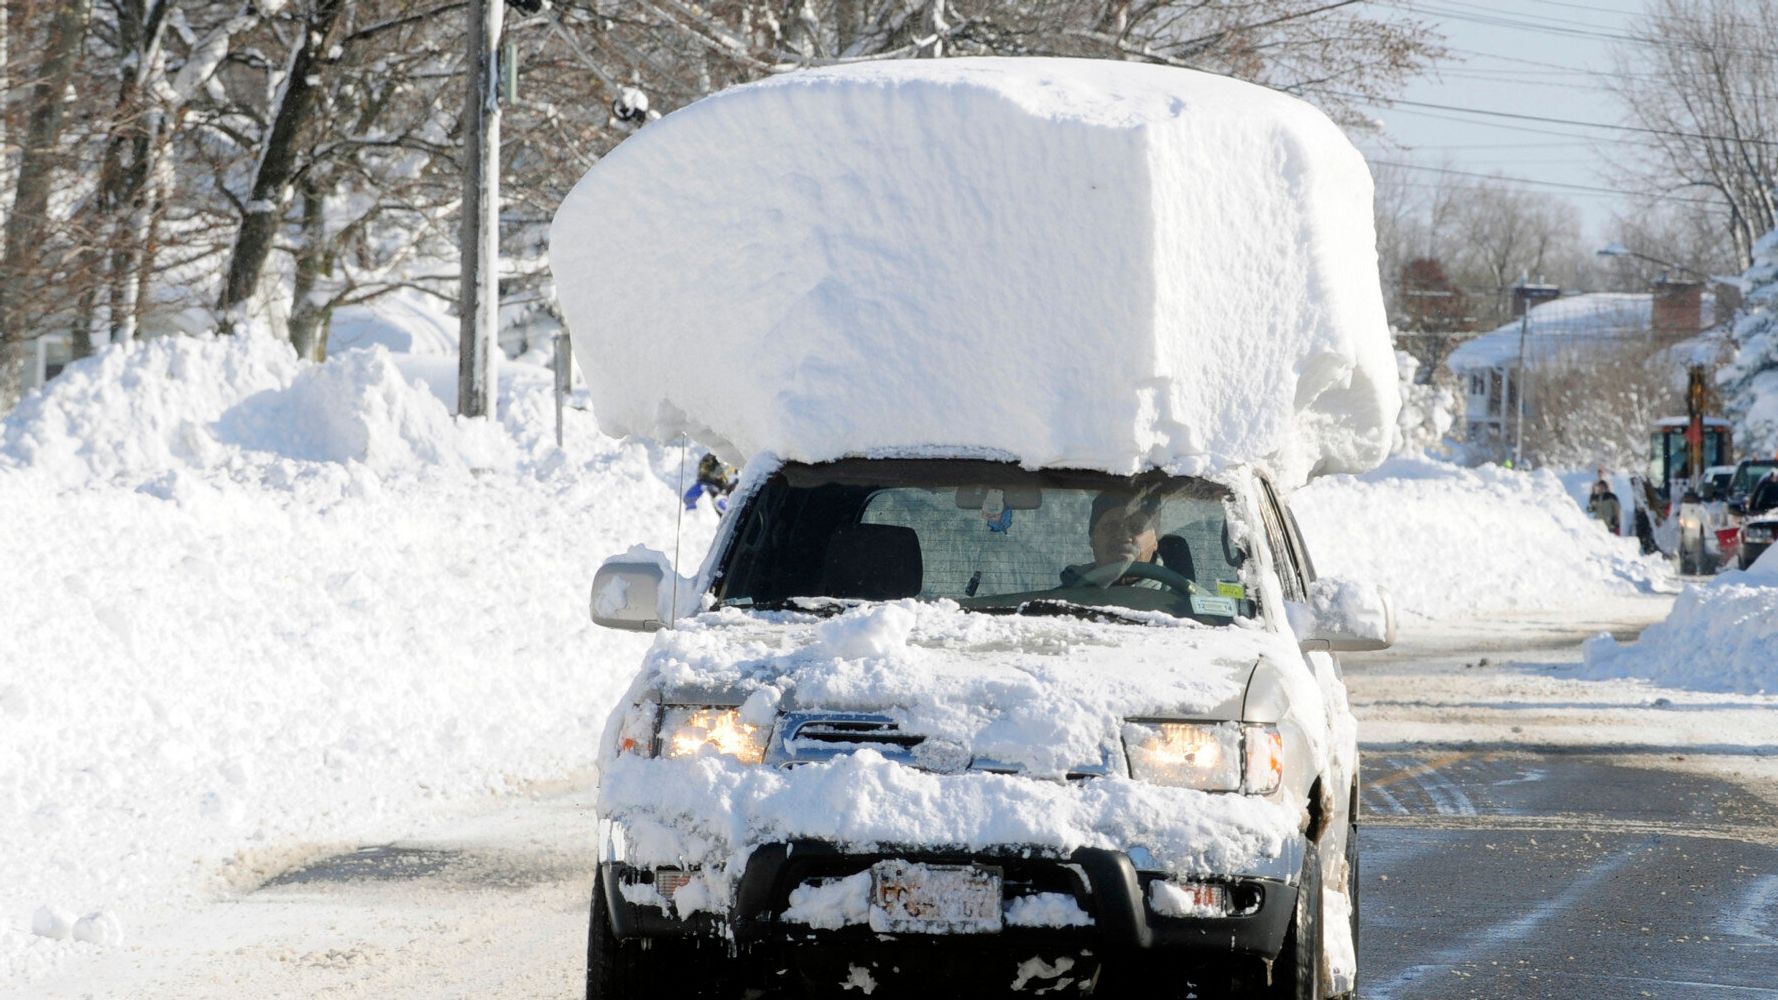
x,y
1050,607
821,607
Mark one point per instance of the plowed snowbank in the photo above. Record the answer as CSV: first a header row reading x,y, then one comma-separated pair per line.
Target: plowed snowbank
x,y
255,607
1449,541
1720,636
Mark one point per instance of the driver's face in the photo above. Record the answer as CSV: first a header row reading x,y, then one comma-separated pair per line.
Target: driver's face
x,y
1121,534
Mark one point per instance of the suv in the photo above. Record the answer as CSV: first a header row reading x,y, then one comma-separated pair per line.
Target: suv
x,y
944,722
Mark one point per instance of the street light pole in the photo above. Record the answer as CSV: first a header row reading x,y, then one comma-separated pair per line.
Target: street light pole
x,y
1619,250
479,243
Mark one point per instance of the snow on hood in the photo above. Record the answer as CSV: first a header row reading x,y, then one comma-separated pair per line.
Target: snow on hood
x,y
1077,263
1048,695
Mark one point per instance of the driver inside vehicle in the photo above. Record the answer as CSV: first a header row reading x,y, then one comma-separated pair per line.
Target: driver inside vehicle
x,y
1122,531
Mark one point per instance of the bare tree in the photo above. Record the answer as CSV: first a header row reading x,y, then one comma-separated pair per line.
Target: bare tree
x,y
262,211
1594,408
1701,76
1502,234
27,220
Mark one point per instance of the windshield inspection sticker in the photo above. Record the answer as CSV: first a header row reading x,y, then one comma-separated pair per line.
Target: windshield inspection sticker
x,y
1203,605
1234,590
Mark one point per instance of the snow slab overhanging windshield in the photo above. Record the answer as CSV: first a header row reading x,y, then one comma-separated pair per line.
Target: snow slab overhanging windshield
x,y
991,536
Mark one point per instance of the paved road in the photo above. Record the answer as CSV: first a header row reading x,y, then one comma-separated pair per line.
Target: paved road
x,y
1572,874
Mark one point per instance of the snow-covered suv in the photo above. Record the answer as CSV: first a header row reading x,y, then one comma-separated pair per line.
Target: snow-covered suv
x,y
940,724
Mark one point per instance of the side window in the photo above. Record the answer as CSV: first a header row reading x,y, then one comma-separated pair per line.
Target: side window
x,y
1305,563
1289,573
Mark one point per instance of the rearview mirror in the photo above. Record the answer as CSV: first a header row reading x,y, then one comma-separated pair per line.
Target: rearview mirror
x,y
1344,616
1010,497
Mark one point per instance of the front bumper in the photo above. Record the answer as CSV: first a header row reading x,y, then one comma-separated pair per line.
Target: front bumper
x,y
1104,883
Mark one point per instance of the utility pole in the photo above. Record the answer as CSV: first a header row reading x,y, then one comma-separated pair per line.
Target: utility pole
x,y
1519,386
479,296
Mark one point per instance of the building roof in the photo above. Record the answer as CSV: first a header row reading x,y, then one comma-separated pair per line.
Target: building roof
x,y
1561,326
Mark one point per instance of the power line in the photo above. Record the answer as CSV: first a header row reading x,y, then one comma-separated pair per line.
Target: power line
x,y
1550,184
1556,26
1671,133
1500,145
1620,140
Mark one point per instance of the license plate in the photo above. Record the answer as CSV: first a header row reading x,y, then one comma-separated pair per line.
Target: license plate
x,y
908,898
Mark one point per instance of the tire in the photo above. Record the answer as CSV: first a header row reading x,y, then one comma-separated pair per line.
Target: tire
x,y
617,970
1296,974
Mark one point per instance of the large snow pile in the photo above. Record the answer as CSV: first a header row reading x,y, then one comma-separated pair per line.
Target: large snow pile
x,y
1074,263
1450,541
256,607
181,404
1750,382
1720,636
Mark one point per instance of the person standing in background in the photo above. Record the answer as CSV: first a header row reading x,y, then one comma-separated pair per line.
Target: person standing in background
x,y
1604,505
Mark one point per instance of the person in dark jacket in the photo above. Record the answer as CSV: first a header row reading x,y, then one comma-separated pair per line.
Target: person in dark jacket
x,y
1604,505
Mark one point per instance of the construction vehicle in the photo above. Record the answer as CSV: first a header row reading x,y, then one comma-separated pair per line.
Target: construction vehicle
x,y
1680,450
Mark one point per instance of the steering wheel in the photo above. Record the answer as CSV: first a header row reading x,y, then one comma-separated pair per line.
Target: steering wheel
x,y
1106,574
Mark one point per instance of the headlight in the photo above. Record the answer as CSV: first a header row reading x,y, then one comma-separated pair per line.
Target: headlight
x,y
687,730
1757,532
1208,756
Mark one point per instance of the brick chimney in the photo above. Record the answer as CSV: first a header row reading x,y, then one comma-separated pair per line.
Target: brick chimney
x,y
1678,308
1526,295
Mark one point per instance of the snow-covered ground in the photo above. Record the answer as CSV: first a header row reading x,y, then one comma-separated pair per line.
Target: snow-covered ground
x,y
254,605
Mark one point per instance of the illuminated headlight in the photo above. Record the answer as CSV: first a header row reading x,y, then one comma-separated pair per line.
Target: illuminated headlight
x,y
687,730
1208,756
1757,532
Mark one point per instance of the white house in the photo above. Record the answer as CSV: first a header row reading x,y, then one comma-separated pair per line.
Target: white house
x,y
48,355
1488,366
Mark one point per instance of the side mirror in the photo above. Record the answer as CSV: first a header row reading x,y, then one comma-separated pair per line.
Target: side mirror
x,y
1344,616
635,591
627,594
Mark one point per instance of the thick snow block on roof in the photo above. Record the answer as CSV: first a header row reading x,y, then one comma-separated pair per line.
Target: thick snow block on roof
x,y
1077,263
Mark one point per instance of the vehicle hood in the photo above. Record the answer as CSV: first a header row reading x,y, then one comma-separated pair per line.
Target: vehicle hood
x,y
1043,696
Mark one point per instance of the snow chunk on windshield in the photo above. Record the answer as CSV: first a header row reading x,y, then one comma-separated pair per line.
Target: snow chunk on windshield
x,y
1068,262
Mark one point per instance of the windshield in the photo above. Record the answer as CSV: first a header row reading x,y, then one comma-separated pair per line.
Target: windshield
x,y
1749,475
990,536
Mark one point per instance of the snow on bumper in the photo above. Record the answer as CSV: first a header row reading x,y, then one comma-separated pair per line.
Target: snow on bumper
x,y
711,813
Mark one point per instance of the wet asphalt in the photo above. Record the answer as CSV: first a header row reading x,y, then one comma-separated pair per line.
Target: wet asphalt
x,y
1563,873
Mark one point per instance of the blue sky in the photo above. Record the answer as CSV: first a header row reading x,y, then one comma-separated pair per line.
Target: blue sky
x,y
1548,58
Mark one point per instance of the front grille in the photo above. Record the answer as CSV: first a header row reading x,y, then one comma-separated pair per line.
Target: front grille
x,y
813,737
856,732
